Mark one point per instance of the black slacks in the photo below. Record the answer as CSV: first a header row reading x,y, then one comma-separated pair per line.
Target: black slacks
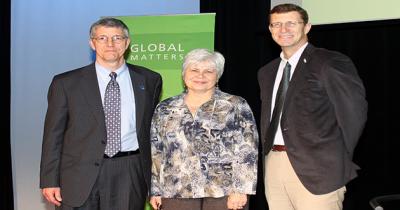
x,y
119,186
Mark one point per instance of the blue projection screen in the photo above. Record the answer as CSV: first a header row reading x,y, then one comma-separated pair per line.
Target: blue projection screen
x,y
50,37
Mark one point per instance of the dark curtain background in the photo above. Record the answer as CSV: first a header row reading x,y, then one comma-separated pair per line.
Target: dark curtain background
x,y
374,47
6,192
242,36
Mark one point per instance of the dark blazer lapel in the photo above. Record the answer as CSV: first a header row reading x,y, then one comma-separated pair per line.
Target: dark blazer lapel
x,y
300,71
91,92
139,89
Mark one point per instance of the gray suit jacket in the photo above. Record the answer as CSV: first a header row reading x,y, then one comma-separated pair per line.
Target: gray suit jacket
x,y
75,133
322,119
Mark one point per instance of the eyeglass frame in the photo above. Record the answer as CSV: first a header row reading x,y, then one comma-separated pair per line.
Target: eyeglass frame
x,y
288,24
103,39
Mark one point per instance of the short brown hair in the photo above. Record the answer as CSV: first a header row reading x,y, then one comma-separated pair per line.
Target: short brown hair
x,y
285,8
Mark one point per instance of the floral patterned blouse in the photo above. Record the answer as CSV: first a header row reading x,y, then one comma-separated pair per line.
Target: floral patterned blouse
x,y
211,154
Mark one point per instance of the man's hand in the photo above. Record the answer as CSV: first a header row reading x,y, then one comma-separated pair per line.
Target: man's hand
x,y
53,195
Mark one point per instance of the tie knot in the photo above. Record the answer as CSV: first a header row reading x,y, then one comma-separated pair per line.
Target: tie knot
x,y
288,66
286,71
113,76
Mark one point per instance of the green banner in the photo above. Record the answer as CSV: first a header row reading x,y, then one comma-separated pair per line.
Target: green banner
x,y
161,42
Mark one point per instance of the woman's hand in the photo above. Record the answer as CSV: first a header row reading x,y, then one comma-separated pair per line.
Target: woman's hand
x,y
155,202
236,201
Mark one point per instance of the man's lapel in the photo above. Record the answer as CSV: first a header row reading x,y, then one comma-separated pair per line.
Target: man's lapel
x,y
298,76
91,92
139,89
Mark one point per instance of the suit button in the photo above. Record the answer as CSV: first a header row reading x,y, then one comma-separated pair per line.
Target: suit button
x,y
103,142
97,164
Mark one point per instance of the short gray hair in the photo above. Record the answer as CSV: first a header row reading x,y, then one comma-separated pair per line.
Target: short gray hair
x,y
201,55
111,23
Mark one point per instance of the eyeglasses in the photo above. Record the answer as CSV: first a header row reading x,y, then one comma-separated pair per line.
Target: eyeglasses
x,y
289,24
117,39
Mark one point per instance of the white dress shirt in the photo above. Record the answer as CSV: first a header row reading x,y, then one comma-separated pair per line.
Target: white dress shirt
x,y
278,140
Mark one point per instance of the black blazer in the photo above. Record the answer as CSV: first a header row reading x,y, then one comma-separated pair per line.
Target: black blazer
x,y
322,119
75,133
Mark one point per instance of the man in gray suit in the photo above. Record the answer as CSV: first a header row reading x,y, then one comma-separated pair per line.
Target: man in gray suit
x,y
96,147
313,113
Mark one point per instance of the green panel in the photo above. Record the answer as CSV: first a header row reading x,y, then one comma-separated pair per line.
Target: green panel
x,y
172,82
148,206
161,42
166,51
170,23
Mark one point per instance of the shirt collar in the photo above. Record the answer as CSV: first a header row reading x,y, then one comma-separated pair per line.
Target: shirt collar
x,y
104,72
296,56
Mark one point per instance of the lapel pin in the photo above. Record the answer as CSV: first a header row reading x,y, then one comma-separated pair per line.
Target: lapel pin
x,y
305,60
141,87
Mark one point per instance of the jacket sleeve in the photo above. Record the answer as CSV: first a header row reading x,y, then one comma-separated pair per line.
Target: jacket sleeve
x,y
156,154
54,129
157,92
245,150
347,94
